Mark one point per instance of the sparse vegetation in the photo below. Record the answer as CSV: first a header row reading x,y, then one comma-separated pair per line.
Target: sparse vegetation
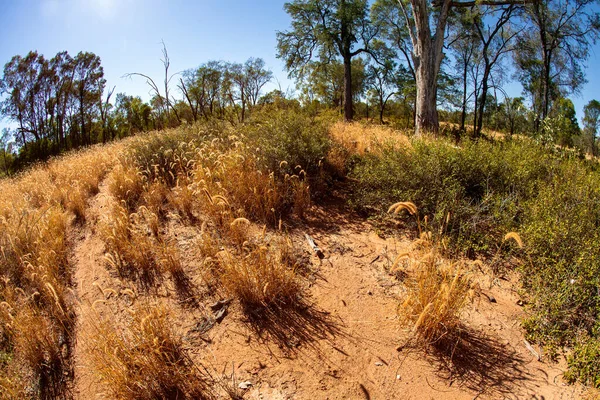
x,y
235,186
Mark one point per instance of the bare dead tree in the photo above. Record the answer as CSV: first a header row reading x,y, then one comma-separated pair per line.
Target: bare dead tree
x,y
164,100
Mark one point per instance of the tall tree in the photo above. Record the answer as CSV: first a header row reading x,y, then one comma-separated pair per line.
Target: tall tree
x,y
257,77
326,29
591,123
551,54
496,38
426,23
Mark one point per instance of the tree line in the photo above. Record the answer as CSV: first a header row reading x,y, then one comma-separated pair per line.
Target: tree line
x,y
412,62
446,54
63,103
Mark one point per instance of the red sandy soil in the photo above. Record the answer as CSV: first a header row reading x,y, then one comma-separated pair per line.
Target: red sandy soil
x,y
346,342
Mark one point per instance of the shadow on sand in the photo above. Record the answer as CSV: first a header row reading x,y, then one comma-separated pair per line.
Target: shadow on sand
x,y
478,362
293,327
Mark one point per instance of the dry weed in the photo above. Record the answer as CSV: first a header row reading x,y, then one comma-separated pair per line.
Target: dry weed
x,y
145,359
261,279
360,139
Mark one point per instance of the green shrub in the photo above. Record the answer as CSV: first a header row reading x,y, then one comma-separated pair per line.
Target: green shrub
x,y
288,136
584,363
551,198
481,185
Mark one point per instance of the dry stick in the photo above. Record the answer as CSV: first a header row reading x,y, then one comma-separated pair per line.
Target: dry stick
x,y
314,247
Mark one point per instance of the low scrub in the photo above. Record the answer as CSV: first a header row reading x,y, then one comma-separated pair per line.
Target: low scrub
x,y
261,279
475,193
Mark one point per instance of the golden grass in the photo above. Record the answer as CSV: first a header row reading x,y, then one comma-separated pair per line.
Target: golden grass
x,y
36,324
360,139
437,292
136,249
514,236
261,279
145,359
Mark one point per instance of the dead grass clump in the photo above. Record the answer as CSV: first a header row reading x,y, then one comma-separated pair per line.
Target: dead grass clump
x,y
437,292
131,246
259,280
126,184
145,359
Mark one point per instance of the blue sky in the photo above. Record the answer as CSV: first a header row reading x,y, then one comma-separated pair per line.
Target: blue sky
x,y
126,34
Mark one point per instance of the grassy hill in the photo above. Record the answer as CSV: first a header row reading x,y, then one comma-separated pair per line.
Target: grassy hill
x,y
175,264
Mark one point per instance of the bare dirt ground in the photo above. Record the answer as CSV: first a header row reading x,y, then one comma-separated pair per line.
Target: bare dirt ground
x,y
345,343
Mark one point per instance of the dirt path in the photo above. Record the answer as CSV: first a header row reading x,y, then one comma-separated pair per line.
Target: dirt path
x,y
347,343
91,278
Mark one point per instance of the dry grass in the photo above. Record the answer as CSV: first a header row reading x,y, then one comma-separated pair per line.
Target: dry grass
x,y
136,248
437,290
37,318
261,279
360,139
145,359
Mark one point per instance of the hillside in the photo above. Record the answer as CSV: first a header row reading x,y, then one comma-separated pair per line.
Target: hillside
x,y
175,264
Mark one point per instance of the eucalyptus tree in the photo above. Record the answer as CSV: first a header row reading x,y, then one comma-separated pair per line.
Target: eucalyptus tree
x,y
551,54
496,37
591,123
425,23
323,30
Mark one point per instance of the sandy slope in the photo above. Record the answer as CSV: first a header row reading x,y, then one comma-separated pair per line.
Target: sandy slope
x,y
346,343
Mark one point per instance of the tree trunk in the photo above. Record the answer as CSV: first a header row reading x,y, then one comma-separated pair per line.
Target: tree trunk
x,y
348,107
484,89
427,58
463,114
426,103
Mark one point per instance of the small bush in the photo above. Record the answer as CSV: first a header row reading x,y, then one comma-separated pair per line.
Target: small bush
x,y
584,363
288,136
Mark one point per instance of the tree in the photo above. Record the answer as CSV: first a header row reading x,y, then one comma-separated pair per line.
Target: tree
x,y
88,85
426,24
326,29
164,103
495,40
551,54
6,151
325,82
54,103
383,83
257,77
561,126
591,122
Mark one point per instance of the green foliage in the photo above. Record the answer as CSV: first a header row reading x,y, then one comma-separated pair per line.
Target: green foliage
x,y
561,125
288,136
489,189
584,364
480,185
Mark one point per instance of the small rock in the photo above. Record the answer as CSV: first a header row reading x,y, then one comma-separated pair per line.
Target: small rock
x,y
370,293
245,385
379,364
492,299
398,377
520,303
